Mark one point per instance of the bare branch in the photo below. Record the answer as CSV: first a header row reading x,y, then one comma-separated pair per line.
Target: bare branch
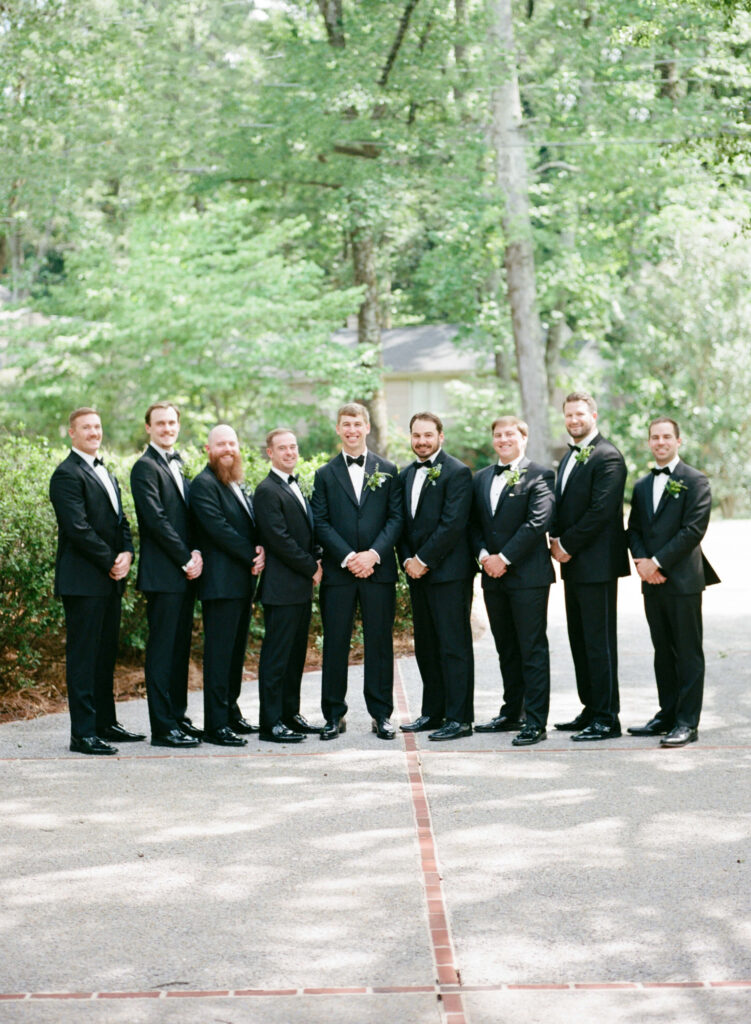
x,y
401,32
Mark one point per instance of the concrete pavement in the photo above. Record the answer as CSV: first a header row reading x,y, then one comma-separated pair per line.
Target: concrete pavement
x,y
412,882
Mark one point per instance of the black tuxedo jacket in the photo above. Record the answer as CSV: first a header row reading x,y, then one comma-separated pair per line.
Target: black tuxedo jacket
x,y
227,538
672,534
518,528
90,534
163,525
588,518
438,533
343,524
286,532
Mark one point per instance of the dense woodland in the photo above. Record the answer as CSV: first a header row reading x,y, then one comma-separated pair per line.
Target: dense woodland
x,y
195,193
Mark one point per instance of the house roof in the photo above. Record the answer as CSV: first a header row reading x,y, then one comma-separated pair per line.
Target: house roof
x,y
425,349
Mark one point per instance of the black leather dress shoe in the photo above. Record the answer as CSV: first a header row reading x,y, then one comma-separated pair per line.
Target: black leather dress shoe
x,y
90,745
680,736
501,723
530,734
279,733
243,726
174,738
383,728
224,737
422,724
452,731
333,727
300,724
582,720
654,727
598,731
189,729
118,734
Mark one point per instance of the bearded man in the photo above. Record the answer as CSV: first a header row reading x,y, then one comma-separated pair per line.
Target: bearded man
x,y
232,560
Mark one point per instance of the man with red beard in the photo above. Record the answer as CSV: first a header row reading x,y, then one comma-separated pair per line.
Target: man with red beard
x,y
232,560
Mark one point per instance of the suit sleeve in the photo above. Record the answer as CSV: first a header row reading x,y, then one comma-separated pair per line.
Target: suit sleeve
x,y
331,541
540,510
144,485
608,482
275,534
207,508
697,506
388,537
635,530
403,549
457,502
67,495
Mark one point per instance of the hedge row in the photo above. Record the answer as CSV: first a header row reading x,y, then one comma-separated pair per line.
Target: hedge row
x,y
31,618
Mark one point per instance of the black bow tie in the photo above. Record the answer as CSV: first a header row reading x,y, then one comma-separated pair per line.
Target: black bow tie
x,y
574,448
172,456
497,470
292,479
355,460
665,470
98,462
422,465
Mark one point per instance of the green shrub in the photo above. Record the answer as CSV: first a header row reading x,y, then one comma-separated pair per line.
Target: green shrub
x,y
31,618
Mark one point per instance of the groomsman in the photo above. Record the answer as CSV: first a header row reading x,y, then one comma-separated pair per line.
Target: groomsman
x,y
167,567
512,509
293,568
232,560
669,516
434,550
94,555
358,520
589,540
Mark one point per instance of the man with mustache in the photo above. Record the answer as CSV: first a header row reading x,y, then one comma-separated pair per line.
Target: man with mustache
x,y
232,559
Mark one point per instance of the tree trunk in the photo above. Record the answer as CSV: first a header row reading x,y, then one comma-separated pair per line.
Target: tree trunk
x,y
369,333
511,176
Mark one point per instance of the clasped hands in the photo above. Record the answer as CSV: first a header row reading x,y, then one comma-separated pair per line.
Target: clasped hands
x,y
649,571
414,568
361,563
121,566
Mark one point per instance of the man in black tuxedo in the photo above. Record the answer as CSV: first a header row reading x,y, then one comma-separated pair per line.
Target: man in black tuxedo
x,y
588,538
293,568
434,551
232,559
167,566
512,509
358,520
94,555
669,516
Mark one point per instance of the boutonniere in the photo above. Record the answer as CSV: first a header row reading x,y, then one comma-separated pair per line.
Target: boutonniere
x,y
514,477
433,473
583,455
376,478
674,488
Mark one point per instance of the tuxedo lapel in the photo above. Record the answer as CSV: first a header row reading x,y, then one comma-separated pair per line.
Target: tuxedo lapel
x,y
164,469
409,481
341,474
487,487
90,471
292,499
560,494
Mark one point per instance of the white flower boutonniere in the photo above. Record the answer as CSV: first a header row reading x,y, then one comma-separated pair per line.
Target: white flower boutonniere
x,y
582,456
376,479
433,473
674,488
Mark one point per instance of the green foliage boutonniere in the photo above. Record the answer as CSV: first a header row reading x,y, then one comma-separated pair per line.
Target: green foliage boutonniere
x,y
514,477
674,488
433,473
584,454
376,479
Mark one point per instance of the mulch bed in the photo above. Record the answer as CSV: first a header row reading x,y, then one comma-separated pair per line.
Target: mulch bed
x,y
49,694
